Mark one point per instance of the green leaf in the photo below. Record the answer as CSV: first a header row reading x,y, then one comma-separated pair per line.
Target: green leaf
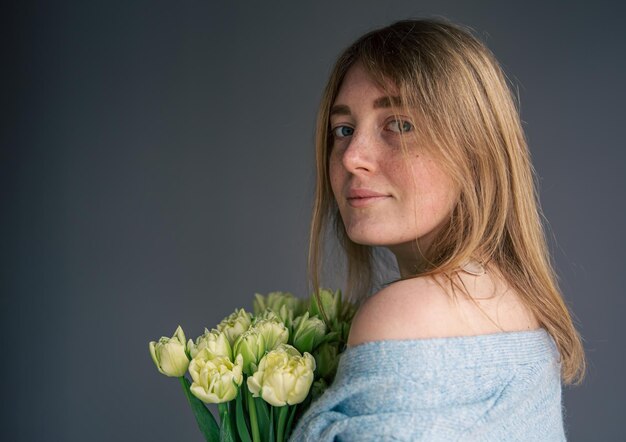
x,y
242,426
206,422
263,418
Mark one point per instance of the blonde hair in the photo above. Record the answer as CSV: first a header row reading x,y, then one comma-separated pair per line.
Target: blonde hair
x,y
468,115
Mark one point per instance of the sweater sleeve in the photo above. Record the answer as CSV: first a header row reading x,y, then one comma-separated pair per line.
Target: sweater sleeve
x,y
504,386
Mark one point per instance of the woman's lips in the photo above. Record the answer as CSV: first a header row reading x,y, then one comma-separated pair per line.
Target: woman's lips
x,y
364,197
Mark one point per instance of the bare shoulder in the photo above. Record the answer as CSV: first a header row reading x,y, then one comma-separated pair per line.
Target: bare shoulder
x,y
420,308
409,309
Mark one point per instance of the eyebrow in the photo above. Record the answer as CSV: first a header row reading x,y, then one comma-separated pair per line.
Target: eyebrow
x,y
385,102
379,103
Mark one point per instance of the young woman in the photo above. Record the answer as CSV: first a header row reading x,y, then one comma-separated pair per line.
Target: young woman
x,y
420,150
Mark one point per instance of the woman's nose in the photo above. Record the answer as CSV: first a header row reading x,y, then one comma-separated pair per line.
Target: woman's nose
x,y
360,154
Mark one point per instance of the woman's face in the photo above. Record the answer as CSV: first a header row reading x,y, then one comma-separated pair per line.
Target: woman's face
x,y
387,196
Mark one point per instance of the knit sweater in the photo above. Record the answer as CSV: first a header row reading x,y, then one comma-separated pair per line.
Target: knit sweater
x,y
496,387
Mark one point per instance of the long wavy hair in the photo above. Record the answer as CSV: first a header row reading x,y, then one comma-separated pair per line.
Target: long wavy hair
x,y
467,113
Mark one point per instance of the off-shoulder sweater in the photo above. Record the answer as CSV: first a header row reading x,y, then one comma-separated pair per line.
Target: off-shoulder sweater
x,y
496,387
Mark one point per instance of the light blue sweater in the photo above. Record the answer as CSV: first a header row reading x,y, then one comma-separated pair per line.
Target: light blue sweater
x,y
498,387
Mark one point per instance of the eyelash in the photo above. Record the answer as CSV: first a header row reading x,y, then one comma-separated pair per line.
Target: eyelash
x,y
407,126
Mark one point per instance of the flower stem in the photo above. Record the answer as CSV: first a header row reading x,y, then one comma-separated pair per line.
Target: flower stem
x,y
223,412
227,431
282,417
254,426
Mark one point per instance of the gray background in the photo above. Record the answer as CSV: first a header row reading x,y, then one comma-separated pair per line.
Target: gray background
x,y
157,169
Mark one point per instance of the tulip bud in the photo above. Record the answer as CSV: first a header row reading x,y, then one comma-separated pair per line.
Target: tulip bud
x,y
251,347
274,333
326,360
275,301
169,354
308,332
266,314
215,379
284,377
284,315
235,324
327,302
214,341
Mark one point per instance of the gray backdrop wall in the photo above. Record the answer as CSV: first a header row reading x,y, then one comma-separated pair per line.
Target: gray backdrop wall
x,y
157,169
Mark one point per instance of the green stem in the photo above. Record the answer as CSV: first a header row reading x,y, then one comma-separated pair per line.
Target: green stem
x,y
232,413
282,417
254,426
292,413
223,411
227,432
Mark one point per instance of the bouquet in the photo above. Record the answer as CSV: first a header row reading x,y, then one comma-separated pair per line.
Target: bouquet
x,y
262,369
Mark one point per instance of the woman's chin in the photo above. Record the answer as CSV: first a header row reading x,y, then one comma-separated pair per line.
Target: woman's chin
x,y
367,238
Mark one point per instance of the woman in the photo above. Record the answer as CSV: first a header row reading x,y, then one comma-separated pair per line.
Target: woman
x,y
420,151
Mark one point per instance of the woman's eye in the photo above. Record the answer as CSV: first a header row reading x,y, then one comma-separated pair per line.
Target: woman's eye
x,y
343,131
400,126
